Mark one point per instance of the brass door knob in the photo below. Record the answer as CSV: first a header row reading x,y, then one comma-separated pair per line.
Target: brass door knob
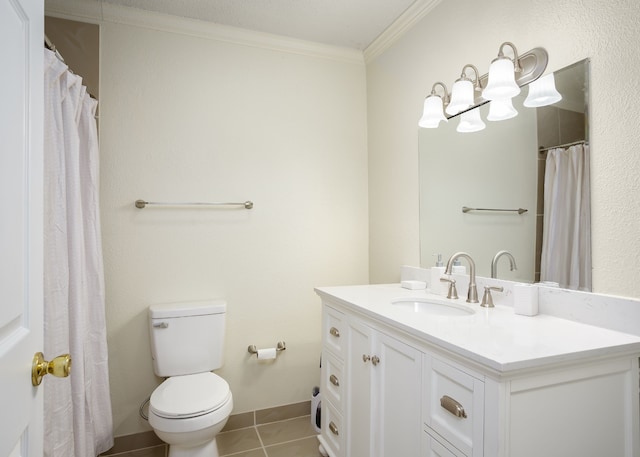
x,y
59,367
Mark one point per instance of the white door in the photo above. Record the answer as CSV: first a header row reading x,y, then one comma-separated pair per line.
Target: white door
x,y
21,114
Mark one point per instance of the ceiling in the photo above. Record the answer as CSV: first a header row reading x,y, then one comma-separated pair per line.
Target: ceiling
x,y
347,23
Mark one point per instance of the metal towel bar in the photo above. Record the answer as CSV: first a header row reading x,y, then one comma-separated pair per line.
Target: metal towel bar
x,y
140,204
466,209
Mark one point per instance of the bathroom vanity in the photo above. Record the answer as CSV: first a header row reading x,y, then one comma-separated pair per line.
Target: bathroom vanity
x,y
407,373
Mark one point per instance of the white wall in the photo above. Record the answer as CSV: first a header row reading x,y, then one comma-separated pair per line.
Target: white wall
x,y
457,32
187,118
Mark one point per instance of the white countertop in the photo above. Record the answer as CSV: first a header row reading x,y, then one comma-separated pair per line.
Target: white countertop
x,y
496,338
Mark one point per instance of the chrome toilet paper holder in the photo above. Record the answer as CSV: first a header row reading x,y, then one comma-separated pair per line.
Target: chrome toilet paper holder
x,y
280,346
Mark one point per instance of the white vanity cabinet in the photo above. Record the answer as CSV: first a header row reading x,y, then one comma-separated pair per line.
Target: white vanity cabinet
x,y
380,391
390,388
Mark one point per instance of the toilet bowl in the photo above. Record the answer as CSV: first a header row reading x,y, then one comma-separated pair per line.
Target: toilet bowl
x,y
192,404
187,412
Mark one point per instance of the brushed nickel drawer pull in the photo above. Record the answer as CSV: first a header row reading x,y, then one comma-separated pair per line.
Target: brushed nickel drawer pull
x,y
366,358
333,428
453,406
335,332
334,380
375,360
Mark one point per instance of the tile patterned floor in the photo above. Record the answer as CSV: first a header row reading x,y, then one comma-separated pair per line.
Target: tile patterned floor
x,y
287,438
283,438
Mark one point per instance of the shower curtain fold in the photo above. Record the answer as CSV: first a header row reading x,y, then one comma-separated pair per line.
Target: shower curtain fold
x,y
566,240
77,411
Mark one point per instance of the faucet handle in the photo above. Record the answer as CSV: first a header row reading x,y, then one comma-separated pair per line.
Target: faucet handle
x,y
453,292
487,299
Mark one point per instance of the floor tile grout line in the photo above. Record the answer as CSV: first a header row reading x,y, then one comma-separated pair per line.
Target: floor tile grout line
x,y
125,453
282,420
244,452
291,441
288,441
260,439
261,447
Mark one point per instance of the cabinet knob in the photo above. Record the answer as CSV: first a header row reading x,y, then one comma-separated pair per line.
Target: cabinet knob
x,y
453,406
366,358
334,380
333,428
375,360
335,332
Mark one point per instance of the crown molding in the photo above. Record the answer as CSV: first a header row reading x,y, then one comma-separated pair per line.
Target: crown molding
x,y
101,12
413,14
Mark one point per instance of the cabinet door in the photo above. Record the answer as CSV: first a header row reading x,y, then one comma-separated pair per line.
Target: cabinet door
x,y
358,393
397,376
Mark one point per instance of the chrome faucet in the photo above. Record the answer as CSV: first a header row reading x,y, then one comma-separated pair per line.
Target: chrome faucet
x,y
494,263
472,293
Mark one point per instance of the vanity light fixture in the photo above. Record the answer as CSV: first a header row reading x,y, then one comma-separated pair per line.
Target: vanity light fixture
x,y
462,92
502,83
470,121
501,109
502,79
433,108
542,92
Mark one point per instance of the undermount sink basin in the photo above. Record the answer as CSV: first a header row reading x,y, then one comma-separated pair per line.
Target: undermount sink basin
x,y
427,306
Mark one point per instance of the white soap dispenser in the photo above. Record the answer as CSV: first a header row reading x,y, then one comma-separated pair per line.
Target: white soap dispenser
x,y
437,272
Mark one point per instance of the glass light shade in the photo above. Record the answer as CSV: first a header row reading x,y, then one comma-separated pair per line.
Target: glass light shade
x,y
501,109
432,113
461,96
502,80
470,121
542,92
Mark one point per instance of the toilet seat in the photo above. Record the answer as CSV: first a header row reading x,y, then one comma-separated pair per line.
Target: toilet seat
x,y
188,396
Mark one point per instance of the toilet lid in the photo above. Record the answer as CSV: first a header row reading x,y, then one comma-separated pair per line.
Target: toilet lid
x,y
190,395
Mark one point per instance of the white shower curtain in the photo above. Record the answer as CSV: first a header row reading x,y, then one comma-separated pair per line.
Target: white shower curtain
x,y
77,410
566,239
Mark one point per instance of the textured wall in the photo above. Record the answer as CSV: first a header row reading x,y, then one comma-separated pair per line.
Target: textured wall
x,y
193,119
457,32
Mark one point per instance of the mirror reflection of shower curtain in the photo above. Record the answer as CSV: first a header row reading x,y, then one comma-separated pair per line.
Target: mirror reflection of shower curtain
x,y
77,410
566,238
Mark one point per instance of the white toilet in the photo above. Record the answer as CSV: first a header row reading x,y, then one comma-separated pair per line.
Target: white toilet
x,y
192,405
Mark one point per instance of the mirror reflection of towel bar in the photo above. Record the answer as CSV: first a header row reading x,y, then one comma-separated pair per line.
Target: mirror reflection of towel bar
x,y
466,209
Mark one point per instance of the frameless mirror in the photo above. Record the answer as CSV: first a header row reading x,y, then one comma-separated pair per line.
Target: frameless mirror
x,y
498,175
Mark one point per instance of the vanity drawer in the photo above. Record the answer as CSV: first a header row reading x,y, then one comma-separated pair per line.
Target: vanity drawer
x,y
431,447
333,331
454,405
332,430
333,381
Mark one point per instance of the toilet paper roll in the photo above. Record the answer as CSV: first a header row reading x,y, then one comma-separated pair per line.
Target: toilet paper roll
x,y
266,354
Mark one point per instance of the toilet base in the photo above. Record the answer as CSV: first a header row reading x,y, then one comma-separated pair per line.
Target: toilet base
x,y
207,449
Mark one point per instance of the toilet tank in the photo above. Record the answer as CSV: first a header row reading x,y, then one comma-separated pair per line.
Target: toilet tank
x,y
187,337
